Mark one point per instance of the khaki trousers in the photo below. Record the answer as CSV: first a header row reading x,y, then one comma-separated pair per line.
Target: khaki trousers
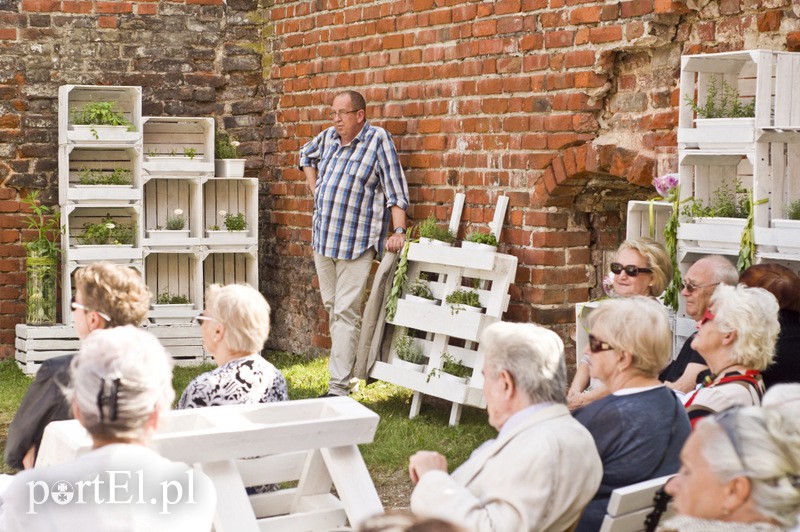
x,y
342,284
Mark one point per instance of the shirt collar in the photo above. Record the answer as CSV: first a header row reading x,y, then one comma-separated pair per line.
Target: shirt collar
x,y
522,415
358,137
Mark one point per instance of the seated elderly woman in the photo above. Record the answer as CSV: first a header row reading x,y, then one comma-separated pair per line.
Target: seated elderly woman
x,y
741,468
642,267
640,428
784,284
235,325
121,383
736,337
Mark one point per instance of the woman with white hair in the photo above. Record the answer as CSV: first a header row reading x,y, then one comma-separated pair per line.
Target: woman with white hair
x,y
121,383
736,337
235,325
640,428
741,468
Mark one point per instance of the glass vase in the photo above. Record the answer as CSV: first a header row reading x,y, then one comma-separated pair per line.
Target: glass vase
x,y
42,274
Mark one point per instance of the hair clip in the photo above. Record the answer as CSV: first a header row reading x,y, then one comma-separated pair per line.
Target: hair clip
x,y
108,397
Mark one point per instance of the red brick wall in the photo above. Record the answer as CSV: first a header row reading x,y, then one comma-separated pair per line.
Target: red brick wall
x,y
558,104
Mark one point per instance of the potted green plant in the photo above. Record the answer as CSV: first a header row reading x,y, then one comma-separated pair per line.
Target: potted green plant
x,y
408,353
228,162
172,308
467,300
107,232
452,369
41,261
723,107
235,224
120,177
175,227
430,233
100,119
419,291
479,241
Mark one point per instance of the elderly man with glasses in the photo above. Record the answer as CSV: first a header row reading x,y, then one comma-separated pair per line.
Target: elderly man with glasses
x,y
698,284
358,184
106,295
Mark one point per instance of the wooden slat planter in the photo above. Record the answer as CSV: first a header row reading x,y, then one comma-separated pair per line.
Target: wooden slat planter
x,y
73,159
166,141
127,100
232,196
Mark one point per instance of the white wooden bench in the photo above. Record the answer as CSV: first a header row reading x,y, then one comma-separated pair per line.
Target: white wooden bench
x,y
629,506
311,444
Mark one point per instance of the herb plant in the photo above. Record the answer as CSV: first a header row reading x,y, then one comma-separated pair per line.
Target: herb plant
x,y
225,146
482,238
176,222
420,287
722,101
407,349
793,210
457,299
235,222
99,114
189,152
429,228
119,176
107,232
455,366
46,221
726,202
165,298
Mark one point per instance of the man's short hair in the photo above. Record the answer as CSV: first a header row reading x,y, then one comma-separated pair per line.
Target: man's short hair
x,y
533,355
356,99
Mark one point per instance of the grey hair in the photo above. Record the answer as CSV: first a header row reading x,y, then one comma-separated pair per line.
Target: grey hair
x,y
768,451
356,99
753,314
724,270
657,259
637,325
135,363
243,311
533,355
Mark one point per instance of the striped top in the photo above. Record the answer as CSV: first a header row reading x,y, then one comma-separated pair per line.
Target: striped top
x,y
356,186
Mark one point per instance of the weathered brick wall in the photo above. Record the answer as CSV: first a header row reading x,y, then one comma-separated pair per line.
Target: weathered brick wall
x,y
192,58
558,104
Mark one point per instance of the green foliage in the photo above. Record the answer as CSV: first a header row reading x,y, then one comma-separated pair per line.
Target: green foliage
x,y
107,232
235,222
793,210
46,221
213,228
398,282
407,349
99,114
119,176
165,298
455,366
176,222
747,245
727,203
225,146
420,287
430,229
462,297
671,245
189,152
482,238
722,101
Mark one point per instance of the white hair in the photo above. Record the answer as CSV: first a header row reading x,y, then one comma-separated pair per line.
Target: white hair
x,y
762,444
533,355
244,312
119,378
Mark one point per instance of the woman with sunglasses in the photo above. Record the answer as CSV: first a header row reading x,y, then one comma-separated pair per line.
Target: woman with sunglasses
x,y
234,326
640,427
641,267
740,469
736,337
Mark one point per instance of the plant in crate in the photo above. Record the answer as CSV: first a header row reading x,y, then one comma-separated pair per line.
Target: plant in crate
x,y
234,222
107,232
727,202
793,210
189,152
42,261
176,222
430,229
482,238
118,176
228,161
407,349
722,101
421,288
99,114
460,298
451,366
166,298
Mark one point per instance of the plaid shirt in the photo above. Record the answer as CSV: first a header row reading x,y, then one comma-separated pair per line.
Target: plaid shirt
x,y
356,186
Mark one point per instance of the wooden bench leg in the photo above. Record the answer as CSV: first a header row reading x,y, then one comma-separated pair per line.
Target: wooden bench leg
x,y
416,404
234,511
353,483
455,414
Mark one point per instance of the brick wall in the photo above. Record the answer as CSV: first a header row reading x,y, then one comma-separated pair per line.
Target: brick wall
x,y
192,58
558,104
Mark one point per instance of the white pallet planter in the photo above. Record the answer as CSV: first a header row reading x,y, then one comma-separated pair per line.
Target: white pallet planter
x,y
310,444
126,100
178,146
162,196
176,274
76,159
68,282
79,251
647,219
230,196
227,266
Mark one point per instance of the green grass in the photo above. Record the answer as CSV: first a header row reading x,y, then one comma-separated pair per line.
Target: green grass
x,y
386,457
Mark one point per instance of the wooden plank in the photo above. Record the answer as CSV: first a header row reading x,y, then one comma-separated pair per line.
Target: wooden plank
x,y
353,483
635,496
458,208
235,514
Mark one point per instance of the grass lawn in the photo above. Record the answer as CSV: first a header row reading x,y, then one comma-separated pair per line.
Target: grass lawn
x,y
387,457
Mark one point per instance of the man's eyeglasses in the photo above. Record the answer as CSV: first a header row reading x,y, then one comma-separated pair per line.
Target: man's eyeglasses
x,y
707,316
691,287
596,346
77,306
199,319
630,269
333,114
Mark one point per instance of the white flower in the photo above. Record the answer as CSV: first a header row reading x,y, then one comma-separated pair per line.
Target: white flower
x,y
110,226
235,143
491,226
222,213
178,212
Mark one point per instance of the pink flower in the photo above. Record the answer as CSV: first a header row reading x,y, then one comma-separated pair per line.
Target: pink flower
x,y
665,184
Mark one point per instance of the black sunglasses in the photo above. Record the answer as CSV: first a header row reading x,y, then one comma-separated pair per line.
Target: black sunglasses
x,y
596,346
630,269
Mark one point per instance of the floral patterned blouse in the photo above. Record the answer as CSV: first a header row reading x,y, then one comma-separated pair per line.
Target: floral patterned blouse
x,y
245,380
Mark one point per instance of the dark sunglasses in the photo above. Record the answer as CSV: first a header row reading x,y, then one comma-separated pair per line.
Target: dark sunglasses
x,y
707,316
596,346
630,269
691,287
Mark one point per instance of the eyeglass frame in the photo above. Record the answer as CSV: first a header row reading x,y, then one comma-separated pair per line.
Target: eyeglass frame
x,y
691,287
707,316
79,306
631,270
341,113
200,318
597,345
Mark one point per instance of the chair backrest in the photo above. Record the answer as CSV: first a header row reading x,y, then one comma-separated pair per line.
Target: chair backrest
x,y
629,506
304,448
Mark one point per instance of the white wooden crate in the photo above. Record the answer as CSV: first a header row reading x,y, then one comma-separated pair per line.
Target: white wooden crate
x,y
647,219
67,282
161,198
77,216
127,101
313,444
176,274
167,138
230,195
226,267
73,159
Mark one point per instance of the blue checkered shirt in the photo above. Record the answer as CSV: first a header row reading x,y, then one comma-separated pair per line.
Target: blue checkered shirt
x,y
356,186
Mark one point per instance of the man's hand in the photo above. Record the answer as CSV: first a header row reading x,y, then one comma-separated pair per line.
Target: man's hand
x,y
423,461
396,242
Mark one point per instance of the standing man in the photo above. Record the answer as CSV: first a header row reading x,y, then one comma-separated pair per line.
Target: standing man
x,y
700,282
358,183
